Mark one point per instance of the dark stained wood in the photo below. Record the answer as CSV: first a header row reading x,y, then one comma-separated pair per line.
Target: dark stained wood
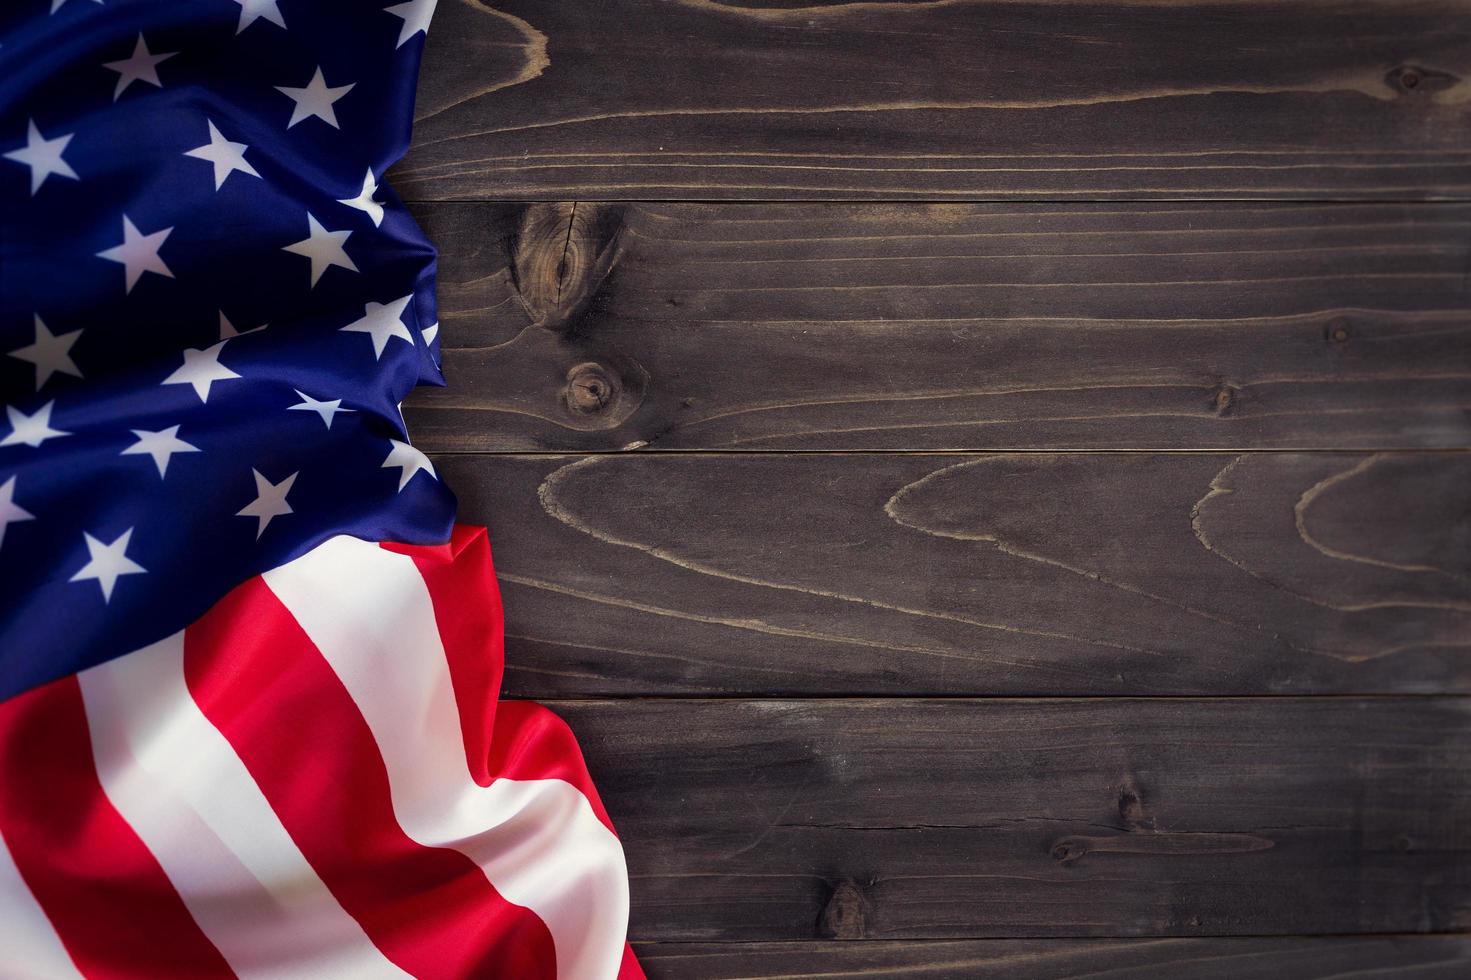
x,y
934,99
904,837
684,326
1359,958
896,819
1093,573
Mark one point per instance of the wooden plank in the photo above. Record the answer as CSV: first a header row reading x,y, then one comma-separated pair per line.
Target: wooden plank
x,y
579,327
934,99
1092,573
1359,957
897,819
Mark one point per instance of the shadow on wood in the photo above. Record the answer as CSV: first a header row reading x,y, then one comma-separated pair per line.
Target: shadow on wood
x,y
743,820
1363,958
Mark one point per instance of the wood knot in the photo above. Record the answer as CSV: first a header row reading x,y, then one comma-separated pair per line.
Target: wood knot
x,y
1069,850
1415,79
560,255
1225,399
1131,807
845,916
590,389
1337,330
602,389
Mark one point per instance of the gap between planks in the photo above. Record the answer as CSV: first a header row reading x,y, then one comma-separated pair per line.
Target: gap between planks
x,y
1060,940
806,698
987,451
1456,199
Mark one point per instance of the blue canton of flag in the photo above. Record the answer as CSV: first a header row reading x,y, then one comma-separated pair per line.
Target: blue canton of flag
x,y
209,308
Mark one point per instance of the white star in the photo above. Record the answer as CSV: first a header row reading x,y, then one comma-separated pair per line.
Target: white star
x,y
226,156
227,329
108,563
410,460
43,156
430,332
141,67
326,409
269,502
323,247
416,15
10,511
315,99
56,4
50,353
383,321
201,369
253,10
160,445
138,253
31,429
364,201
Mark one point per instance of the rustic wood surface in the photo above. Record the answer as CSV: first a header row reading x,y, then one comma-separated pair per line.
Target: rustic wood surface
x,y
1421,958
1182,288
1089,573
684,326
901,819
935,99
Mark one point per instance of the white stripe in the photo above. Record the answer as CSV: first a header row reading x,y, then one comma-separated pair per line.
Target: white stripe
x,y
31,948
179,785
538,841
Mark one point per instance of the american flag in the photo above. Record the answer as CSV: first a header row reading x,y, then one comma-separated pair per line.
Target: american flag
x,y
248,708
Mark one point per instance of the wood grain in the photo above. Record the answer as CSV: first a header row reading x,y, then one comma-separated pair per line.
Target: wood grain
x,y
895,819
1360,958
584,327
608,310
935,99
1001,574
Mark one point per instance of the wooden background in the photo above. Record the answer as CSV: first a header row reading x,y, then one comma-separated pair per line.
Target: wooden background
x,y
986,480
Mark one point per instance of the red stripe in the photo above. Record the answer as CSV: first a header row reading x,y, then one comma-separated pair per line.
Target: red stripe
x,y
518,740
467,612
261,682
112,905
